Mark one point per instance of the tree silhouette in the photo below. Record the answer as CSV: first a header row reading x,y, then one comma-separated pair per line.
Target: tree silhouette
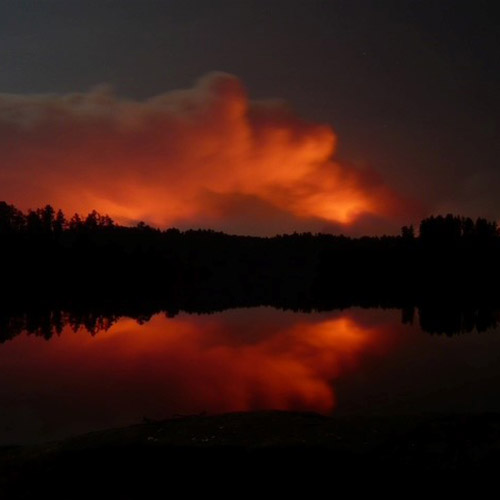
x,y
408,232
91,260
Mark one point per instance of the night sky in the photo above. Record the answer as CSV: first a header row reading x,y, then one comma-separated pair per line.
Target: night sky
x,y
410,89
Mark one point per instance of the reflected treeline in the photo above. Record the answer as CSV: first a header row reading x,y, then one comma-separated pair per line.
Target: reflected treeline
x,y
47,323
448,320
51,263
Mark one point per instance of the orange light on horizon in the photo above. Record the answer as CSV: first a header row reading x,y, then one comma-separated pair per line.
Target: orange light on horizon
x,y
193,157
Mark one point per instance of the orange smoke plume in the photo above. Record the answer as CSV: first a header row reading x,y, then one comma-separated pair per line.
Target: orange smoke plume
x,y
193,157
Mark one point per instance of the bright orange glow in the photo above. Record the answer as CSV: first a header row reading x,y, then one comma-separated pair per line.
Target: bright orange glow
x,y
189,158
287,369
239,360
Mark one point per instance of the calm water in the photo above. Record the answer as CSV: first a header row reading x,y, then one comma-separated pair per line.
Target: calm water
x,y
350,362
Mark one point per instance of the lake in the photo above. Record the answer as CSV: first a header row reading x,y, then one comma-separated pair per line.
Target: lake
x,y
60,377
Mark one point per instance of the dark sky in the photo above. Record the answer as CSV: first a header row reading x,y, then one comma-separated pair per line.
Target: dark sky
x,y
410,87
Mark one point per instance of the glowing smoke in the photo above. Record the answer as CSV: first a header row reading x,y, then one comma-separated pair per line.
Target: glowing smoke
x,y
206,156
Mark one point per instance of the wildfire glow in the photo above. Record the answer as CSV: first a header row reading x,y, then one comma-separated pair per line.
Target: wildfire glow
x,y
188,158
238,360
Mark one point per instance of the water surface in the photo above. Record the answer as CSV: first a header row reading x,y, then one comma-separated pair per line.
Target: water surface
x,y
119,371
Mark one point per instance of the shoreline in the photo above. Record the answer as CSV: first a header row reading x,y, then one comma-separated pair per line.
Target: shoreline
x,y
240,442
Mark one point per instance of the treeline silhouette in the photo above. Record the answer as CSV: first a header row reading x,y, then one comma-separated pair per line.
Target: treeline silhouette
x,y
49,262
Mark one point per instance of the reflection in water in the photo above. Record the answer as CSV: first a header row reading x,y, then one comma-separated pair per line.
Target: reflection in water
x,y
238,360
45,322
115,371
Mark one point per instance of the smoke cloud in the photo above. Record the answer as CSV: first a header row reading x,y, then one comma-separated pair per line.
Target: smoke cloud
x,y
202,157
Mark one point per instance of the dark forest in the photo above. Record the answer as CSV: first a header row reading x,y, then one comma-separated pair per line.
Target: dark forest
x,y
93,269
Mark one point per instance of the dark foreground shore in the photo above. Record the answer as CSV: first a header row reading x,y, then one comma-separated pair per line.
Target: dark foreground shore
x,y
200,453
